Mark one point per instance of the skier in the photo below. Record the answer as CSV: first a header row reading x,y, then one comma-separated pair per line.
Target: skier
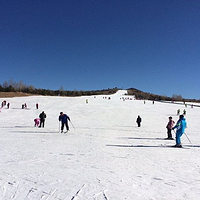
x,y
8,105
184,112
169,128
36,105
37,121
180,129
139,120
64,120
178,112
42,117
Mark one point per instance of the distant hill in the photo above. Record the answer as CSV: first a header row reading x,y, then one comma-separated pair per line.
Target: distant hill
x,y
144,95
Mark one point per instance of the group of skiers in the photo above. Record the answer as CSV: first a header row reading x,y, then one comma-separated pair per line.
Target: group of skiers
x,y
3,103
180,127
39,122
178,112
63,118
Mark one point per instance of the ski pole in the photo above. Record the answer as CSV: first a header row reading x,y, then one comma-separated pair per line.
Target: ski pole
x,y
188,138
72,125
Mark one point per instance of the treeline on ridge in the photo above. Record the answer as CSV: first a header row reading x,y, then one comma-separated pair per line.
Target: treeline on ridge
x,y
144,95
21,87
11,86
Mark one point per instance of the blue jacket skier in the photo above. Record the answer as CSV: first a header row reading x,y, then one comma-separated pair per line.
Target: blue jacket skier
x,y
64,121
180,127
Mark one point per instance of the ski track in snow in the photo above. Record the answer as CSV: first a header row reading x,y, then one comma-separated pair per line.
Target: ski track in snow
x,y
105,157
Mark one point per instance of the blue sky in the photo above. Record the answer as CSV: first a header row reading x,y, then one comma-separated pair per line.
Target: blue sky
x,y
150,45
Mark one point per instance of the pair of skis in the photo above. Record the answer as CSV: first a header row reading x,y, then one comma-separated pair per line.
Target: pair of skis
x,y
67,130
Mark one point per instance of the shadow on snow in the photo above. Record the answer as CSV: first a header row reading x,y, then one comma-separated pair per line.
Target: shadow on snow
x,y
148,146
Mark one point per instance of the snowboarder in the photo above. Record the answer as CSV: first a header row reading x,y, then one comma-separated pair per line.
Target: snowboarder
x,y
180,129
169,128
42,117
64,120
139,120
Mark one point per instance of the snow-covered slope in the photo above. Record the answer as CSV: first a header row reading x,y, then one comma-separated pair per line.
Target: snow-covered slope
x,y
104,156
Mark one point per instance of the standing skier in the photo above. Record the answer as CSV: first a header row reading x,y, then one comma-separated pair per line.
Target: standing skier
x,y
169,128
64,120
139,120
180,129
42,117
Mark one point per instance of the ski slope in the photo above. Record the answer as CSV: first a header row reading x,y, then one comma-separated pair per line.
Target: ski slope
x,y
104,156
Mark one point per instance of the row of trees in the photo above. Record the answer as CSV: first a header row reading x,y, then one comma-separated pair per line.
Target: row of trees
x,y
11,86
144,95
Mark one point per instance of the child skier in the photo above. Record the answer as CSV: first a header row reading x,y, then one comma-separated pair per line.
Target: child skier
x,y
37,121
169,127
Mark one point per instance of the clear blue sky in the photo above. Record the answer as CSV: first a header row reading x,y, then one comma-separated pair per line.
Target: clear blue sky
x,y
150,45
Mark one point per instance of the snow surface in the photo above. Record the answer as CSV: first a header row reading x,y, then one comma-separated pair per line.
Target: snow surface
x,y
105,156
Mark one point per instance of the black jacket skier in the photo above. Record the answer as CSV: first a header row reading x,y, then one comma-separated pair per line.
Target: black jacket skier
x,y
42,117
139,120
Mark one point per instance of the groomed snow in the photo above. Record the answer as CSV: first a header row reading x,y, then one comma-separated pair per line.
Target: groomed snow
x,y
105,156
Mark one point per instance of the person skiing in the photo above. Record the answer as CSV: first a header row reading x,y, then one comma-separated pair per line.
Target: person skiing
x,y
180,129
42,117
139,120
64,121
37,121
169,127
